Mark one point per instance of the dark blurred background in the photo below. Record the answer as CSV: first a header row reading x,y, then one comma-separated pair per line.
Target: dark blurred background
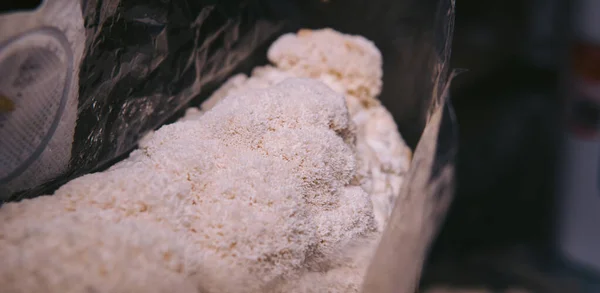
x,y
500,230
506,104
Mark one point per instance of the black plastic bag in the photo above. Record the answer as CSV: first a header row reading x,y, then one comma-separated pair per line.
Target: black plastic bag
x,y
143,62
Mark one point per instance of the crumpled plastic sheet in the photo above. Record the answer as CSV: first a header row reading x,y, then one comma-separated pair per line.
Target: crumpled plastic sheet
x,y
419,211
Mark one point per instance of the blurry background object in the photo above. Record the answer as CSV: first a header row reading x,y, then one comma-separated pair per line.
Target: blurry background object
x,y
508,108
40,53
579,180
